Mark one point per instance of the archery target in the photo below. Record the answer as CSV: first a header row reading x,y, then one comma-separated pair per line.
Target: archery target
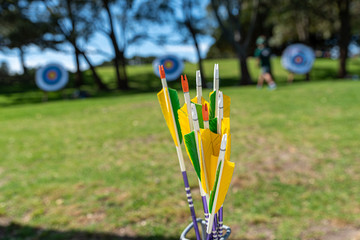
x,y
298,58
173,66
51,77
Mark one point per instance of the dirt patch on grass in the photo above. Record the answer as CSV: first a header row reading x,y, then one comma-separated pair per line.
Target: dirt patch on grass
x,y
289,164
125,232
331,230
254,232
4,221
93,217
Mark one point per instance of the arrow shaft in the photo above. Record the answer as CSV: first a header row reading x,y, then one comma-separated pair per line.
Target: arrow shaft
x,y
221,217
191,204
220,163
181,160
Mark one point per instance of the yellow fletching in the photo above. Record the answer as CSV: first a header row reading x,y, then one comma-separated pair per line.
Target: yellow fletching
x,y
203,101
212,175
183,120
211,146
166,108
225,128
225,125
227,102
225,180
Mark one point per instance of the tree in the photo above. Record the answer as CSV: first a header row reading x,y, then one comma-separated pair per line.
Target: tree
x,y
74,20
195,26
127,22
4,69
344,34
19,31
119,50
222,49
312,22
229,18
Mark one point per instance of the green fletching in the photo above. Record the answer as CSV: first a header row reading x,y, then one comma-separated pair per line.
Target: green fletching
x,y
199,113
212,193
212,105
213,125
190,144
175,104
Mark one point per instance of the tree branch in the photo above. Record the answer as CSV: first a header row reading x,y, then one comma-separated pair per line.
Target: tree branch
x,y
252,23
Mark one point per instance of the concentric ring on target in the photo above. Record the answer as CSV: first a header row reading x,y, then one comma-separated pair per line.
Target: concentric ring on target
x,y
298,58
173,66
51,77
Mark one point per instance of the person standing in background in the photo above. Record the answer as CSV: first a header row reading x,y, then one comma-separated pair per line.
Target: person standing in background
x,y
263,53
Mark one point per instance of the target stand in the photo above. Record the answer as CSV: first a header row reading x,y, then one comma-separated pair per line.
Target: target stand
x,y
51,77
203,231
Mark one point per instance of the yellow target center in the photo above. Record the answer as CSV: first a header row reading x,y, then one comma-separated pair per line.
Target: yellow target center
x,y
51,75
169,64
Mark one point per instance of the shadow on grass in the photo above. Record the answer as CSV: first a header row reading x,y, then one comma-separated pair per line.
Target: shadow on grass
x,y
323,73
17,231
140,83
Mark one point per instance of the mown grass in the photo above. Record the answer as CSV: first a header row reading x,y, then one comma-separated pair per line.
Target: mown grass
x,y
108,165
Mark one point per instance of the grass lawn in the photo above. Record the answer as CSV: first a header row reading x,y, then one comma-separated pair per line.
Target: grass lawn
x,y
106,168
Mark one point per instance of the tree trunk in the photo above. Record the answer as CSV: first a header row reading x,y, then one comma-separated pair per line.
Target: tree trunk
x,y
345,35
78,77
96,77
72,40
22,61
238,39
124,84
245,78
203,77
196,45
245,75
121,77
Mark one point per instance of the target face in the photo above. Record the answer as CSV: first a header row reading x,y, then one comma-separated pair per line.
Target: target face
x,y
298,58
51,77
173,67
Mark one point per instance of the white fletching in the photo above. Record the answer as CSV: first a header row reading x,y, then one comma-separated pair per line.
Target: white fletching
x,y
198,87
198,78
216,77
223,142
216,70
221,100
193,112
195,117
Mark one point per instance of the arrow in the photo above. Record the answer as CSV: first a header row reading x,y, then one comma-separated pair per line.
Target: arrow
x,y
224,172
169,103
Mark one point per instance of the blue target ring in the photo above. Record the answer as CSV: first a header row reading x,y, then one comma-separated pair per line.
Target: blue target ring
x,y
298,58
51,77
173,66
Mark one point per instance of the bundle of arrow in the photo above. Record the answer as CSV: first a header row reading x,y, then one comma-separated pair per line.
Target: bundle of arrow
x,y
204,127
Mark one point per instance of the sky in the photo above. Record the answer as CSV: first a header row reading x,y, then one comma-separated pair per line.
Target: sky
x,y
35,57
